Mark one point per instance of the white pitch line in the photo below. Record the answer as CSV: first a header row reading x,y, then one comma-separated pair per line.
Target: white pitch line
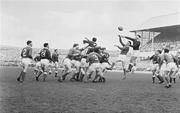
x,y
91,89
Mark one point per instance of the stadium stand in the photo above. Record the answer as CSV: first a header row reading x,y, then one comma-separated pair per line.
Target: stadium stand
x,y
159,32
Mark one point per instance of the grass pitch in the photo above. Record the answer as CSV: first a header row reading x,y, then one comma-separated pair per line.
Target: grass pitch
x,y
136,94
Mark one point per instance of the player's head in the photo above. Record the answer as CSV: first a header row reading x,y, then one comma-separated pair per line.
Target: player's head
x,y
76,46
29,43
46,45
128,43
138,37
166,50
94,39
56,50
157,52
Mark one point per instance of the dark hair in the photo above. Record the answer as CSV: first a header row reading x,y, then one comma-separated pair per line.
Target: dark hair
x,y
28,42
166,50
139,36
129,42
46,44
55,50
159,51
94,39
74,45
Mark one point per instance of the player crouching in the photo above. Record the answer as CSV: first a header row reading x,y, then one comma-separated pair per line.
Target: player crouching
x,y
105,65
94,66
26,60
45,56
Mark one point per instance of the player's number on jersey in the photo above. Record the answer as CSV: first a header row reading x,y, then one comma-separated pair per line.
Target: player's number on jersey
x,y
43,53
24,52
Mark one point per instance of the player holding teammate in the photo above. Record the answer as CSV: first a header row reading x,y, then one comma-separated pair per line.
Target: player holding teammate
x,y
26,60
136,45
45,56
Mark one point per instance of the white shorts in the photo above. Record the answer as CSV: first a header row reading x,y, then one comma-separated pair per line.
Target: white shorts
x,y
38,64
171,67
45,62
155,67
94,67
76,63
105,65
122,58
56,65
135,53
26,61
67,62
84,63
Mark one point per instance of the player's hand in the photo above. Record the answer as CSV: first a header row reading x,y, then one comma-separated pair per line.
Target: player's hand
x,y
120,36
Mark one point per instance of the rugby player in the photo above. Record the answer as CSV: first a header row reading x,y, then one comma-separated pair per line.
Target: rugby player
x,y
105,65
171,67
83,68
177,61
55,60
45,56
72,59
123,56
26,55
155,68
94,66
37,64
136,45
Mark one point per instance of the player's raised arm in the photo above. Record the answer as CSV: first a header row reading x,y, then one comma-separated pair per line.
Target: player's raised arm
x,y
120,40
118,47
129,38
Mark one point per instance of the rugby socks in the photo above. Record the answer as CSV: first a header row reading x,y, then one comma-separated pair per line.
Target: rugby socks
x,y
160,79
23,76
64,76
153,79
174,80
35,71
20,76
81,77
56,73
37,77
44,76
170,80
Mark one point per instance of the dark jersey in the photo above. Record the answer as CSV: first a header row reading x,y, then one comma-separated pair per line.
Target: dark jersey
x,y
124,50
37,58
26,52
55,57
93,57
104,57
45,54
156,59
136,43
72,53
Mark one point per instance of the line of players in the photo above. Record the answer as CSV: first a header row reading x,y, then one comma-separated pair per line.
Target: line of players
x,y
78,61
81,62
165,66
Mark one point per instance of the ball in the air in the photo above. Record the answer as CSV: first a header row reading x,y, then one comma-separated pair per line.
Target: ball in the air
x,y
120,28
